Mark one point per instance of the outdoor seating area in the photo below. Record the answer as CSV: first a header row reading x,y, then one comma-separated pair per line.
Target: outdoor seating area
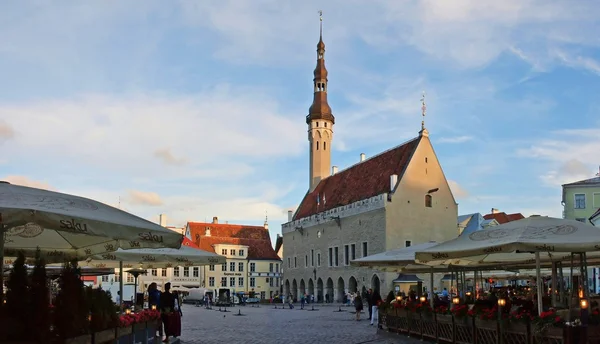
x,y
39,227
553,303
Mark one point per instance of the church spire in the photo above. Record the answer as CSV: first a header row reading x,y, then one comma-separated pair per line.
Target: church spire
x,y
320,109
320,120
424,131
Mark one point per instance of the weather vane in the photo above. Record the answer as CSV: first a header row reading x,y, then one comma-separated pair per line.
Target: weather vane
x,y
423,110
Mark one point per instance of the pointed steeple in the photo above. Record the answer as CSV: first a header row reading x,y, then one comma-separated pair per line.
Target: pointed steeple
x,y
424,131
320,109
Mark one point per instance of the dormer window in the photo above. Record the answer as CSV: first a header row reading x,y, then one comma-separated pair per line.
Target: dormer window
x,y
428,201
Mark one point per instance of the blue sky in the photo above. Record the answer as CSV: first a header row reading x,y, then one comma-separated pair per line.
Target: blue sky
x,y
196,109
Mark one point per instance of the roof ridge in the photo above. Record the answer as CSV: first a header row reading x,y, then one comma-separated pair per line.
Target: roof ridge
x,y
376,155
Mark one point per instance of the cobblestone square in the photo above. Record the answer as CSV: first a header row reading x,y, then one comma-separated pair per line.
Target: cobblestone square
x,y
265,324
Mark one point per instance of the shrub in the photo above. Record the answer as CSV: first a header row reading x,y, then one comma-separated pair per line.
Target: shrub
x,y
102,309
17,308
40,300
71,311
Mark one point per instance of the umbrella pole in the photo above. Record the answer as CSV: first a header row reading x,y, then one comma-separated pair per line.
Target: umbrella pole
x,y
553,284
561,285
431,288
538,282
2,238
121,285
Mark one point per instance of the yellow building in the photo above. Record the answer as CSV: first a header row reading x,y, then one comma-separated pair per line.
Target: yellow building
x,y
252,263
581,199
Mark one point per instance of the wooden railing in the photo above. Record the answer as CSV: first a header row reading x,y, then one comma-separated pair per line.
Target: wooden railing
x,y
469,330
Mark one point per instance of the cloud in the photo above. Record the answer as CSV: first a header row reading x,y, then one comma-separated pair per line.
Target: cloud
x,y
6,131
578,61
457,190
570,171
26,181
468,33
455,139
127,133
144,198
167,157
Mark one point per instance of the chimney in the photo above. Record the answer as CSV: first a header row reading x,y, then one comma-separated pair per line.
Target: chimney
x,y
215,220
362,157
162,220
290,215
393,181
334,170
495,211
207,231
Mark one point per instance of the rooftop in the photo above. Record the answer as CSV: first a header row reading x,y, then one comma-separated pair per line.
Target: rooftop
x,y
364,180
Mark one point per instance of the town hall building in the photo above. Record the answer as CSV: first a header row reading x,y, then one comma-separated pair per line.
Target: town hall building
x,y
395,199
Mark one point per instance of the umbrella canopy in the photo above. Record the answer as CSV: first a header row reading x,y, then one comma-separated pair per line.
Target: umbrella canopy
x,y
394,260
65,226
514,242
187,255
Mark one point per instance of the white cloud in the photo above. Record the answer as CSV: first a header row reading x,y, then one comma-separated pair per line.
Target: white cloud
x,y
467,32
455,139
457,190
569,155
144,198
26,181
168,158
6,131
225,127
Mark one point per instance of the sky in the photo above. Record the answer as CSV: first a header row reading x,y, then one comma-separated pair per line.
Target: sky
x,y
197,109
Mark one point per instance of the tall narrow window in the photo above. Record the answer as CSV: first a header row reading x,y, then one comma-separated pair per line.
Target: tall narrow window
x,y
317,145
331,256
336,257
312,257
353,251
324,145
346,255
365,249
428,201
318,259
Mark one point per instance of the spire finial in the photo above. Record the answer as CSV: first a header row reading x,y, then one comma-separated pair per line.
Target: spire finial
x,y
320,24
423,111
266,216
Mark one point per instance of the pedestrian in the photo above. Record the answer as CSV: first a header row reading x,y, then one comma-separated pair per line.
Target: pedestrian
x,y
302,300
376,300
291,301
154,300
370,303
358,305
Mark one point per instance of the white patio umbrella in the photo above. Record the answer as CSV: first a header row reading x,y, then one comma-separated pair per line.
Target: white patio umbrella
x,y
155,258
543,238
64,226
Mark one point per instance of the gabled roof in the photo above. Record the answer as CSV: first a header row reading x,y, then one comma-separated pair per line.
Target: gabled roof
x,y
504,217
361,181
475,223
585,182
257,238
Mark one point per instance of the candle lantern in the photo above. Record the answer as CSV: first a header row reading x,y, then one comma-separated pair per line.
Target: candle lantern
x,y
583,303
501,302
456,300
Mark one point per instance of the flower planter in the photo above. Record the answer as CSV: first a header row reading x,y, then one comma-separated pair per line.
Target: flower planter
x,y
139,332
548,334
85,339
102,337
124,335
428,326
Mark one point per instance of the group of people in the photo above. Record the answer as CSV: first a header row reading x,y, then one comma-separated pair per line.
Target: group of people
x,y
170,308
373,301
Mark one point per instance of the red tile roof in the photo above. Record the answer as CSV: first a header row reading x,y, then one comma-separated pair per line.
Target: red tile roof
x,y
504,217
188,242
257,238
361,181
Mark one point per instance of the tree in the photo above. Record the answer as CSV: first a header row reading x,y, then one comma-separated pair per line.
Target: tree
x,y
71,311
17,301
40,300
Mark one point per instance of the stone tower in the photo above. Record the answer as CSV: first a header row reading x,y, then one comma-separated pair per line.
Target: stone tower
x,y
320,120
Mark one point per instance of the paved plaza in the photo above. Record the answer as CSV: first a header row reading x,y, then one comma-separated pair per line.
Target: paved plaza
x,y
268,325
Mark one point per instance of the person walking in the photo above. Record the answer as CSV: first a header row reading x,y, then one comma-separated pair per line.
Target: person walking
x,y
376,300
358,305
370,303
154,300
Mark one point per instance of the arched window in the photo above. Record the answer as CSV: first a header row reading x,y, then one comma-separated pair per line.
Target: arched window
x,y
428,201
